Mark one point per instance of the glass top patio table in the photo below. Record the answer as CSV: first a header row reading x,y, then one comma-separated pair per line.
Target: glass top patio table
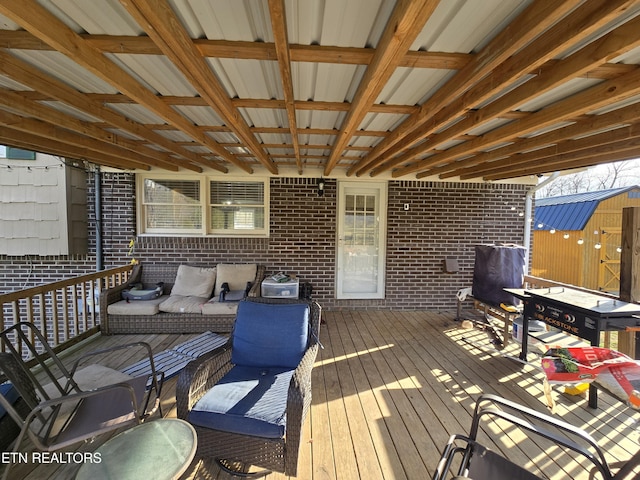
x,y
159,449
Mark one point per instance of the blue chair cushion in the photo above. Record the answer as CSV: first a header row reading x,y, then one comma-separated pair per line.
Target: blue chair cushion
x,y
247,401
270,335
10,393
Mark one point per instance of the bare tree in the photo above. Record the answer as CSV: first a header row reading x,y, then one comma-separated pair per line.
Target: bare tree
x,y
601,177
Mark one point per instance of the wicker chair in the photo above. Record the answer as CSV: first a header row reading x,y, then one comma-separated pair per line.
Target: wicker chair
x,y
235,444
67,406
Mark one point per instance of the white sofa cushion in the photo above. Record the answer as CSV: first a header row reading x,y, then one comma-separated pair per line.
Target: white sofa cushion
x,y
194,281
136,307
235,274
183,304
213,307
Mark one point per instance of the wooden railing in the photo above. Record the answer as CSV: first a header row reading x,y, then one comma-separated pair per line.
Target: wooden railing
x,y
65,311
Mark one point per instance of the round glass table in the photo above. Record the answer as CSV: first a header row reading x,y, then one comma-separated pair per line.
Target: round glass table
x,y
159,449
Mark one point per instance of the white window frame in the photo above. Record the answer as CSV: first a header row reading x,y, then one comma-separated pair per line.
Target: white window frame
x,y
205,207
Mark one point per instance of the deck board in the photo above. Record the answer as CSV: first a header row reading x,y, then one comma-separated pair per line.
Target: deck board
x,y
389,388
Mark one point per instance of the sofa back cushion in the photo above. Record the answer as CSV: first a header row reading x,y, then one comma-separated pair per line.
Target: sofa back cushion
x,y
270,335
194,281
235,274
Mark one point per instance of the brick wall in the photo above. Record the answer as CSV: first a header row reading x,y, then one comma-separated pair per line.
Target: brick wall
x,y
443,220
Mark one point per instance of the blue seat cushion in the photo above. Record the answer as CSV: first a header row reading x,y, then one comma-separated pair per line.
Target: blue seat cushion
x,y
10,393
266,335
247,401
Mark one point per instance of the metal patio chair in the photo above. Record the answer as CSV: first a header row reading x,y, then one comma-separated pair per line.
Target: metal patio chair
x,y
464,457
67,406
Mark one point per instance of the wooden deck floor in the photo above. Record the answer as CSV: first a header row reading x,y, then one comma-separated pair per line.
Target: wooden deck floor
x,y
389,389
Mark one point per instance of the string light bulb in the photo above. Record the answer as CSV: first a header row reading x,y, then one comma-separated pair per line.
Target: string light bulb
x,y
565,236
580,241
597,246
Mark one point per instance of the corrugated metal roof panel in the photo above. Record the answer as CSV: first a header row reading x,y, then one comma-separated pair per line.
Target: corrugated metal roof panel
x,y
598,196
10,84
569,216
571,212
157,73
64,69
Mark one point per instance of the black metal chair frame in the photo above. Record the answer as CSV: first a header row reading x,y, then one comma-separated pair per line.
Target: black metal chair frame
x,y
566,435
46,401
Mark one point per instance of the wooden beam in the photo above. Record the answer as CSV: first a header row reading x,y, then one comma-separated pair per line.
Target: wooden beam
x,y
586,145
34,78
606,154
606,48
582,126
163,26
279,28
50,131
534,20
37,20
404,25
605,93
142,45
101,139
30,141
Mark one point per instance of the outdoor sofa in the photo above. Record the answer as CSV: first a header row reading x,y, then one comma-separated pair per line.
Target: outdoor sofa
x,y
190,301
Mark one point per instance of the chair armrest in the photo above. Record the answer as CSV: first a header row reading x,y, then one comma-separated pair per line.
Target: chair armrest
x,y
199,376
299,395
157,378
257,282
298,403
142,345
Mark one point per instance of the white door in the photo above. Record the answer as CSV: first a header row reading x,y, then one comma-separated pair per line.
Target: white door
x,y
361,239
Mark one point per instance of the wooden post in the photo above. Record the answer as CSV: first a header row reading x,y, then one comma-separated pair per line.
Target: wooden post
x,y
630,274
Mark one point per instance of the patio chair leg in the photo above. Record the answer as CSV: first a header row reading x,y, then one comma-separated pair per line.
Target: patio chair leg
x,y
240,469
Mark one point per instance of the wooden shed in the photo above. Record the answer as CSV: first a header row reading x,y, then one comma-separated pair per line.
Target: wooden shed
x,y
576,238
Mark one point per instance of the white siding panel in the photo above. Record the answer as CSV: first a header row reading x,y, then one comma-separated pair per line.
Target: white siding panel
x,y
8,177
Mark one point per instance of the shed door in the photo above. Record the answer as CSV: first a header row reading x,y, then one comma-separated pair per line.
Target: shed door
x,y
361,240
609,267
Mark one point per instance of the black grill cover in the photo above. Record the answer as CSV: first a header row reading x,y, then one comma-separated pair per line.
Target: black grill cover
x,y
497,267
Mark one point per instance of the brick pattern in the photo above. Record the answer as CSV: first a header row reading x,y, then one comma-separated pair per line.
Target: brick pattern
x,y
443,220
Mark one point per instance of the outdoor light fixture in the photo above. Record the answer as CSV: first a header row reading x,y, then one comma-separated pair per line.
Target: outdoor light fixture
x,y
321,187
